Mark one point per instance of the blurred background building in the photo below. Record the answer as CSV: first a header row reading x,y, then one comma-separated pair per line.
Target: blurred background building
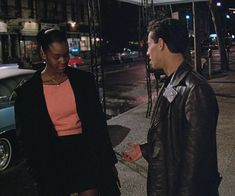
x,y
20,21
123,25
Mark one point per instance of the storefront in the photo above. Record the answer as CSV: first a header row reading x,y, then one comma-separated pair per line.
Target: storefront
x,y
79,42
85,43
28,44
9,45
74,43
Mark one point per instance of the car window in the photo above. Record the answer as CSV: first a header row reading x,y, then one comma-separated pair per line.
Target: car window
x,y
8,85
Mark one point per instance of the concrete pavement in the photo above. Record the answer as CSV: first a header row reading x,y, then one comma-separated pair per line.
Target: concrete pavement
x,y
132,126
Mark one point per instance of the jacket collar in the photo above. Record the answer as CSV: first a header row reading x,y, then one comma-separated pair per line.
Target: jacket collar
x,y
161,107
180,74
37,76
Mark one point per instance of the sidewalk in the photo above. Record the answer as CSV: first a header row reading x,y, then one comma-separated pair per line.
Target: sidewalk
x,y
132,126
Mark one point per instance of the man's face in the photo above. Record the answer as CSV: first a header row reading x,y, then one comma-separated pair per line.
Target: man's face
x,y
57,56
154,50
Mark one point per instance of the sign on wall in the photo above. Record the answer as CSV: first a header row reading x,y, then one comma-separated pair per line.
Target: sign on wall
x,y
3,27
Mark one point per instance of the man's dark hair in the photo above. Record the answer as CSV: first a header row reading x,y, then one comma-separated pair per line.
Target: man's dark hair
x,y
172,31
45,37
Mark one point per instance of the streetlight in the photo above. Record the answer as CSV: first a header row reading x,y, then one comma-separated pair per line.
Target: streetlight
x,y
187,20
228,36
227,16
218,4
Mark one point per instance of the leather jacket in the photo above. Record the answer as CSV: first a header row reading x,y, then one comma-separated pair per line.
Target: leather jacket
x,y
181,144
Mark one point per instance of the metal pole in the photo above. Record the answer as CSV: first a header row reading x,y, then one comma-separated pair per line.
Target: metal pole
x,y
96,66
209,61
1,49
195,41
196,24
101,60
9,47
139,29
187,24
228,51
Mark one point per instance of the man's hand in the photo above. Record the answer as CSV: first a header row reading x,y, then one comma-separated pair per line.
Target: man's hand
x,y
133,154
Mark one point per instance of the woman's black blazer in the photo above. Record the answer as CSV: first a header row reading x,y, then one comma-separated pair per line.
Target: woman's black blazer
x,y
36,130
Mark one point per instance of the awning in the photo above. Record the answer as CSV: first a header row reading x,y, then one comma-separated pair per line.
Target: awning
x,y
160,2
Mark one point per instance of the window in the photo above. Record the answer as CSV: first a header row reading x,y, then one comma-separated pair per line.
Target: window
x,y
82,12
18,8
3,8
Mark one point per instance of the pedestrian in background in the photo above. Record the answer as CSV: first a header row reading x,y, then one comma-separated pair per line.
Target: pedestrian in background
x,y
181,143
62,127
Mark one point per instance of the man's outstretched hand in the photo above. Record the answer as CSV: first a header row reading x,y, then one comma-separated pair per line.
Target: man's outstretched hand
x,y
133,154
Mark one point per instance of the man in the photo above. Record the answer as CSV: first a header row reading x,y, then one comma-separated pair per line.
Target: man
x,y
181,143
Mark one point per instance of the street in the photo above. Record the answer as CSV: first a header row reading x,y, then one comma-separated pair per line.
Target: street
x,y
125,87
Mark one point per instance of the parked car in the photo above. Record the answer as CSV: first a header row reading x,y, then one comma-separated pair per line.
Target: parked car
x,y
128,55
112,58
75,61
10,78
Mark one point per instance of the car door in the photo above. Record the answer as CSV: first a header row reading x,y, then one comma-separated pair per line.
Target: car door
x,y
9,152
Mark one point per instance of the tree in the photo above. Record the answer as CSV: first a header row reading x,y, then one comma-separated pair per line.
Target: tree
x,y
217,14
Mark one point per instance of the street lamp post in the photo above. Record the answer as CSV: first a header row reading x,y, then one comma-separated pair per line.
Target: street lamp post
x,y
227,23
218,4
187,20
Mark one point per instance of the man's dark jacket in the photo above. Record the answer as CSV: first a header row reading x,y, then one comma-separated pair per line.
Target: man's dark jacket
x,y
38,135
181,144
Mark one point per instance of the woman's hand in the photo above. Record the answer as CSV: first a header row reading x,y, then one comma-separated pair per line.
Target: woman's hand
x,y
133,154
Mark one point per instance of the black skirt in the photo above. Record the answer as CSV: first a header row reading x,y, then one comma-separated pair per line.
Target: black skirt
x,y
78,166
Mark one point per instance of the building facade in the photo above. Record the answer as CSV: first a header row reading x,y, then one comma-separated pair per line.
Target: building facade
x,y
20,21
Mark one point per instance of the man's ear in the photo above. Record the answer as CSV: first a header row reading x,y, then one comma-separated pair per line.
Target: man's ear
x,y
161,43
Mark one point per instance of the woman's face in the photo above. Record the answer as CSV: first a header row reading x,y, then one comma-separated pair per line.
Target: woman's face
x,y
57,56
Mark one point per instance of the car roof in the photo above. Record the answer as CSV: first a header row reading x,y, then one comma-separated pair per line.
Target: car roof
x,y
6,72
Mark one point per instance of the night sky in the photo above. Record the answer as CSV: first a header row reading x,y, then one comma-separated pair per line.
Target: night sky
x,y
120,23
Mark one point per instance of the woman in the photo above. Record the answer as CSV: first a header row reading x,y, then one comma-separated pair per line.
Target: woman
x,y
62,127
